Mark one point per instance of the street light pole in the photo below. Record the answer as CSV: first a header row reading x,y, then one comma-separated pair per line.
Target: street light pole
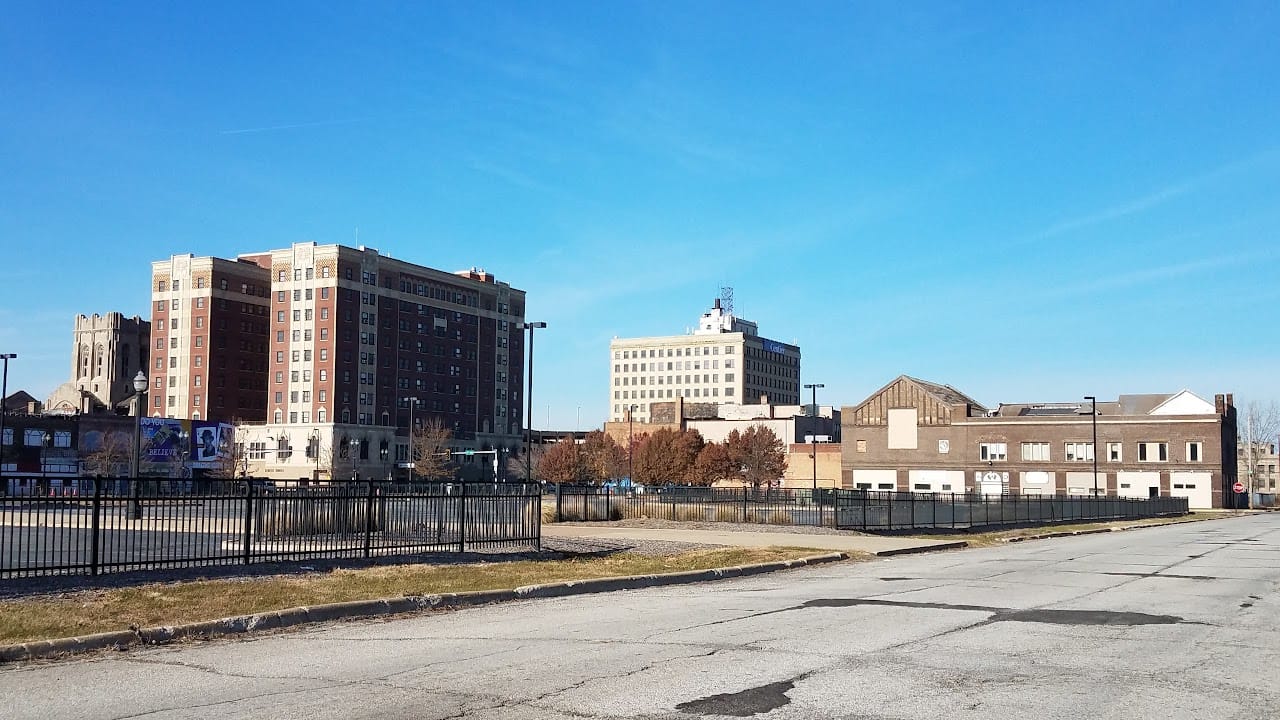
x,y
4,394
814,436
528,439
1093,412
140,406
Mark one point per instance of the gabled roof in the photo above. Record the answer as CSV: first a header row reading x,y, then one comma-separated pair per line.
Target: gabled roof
x,y
1184,402
18,401
944,394
1140,404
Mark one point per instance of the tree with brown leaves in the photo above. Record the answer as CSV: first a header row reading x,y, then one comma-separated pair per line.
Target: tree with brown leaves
x,y
666,456
759,453
714,463
563,462
604,458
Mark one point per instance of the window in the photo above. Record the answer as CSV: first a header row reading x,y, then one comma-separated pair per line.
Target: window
x,y
862,447
1114,453
992,452
1153,451
1195,451
1078,452
1035,451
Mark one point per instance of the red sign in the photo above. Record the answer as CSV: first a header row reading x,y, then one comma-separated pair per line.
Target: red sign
x,y
1238,487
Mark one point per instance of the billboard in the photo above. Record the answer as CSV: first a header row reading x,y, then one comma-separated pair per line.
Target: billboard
x,y
170,446
210,443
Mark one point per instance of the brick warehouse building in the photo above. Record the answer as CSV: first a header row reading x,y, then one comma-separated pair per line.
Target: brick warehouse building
x,y
926,437
346,340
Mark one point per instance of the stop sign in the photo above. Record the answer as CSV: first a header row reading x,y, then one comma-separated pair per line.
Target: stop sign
x,y
1238,487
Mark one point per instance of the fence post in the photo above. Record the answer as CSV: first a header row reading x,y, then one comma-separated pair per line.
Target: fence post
x,y
913,511
608,504
559,518
462,516
864,509
744,503
368,522
248,521
537,516
835,507
93,539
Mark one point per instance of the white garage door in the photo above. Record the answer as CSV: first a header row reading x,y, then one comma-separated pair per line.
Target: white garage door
x,y
1037,482
1081,483
1194,486
939,481
875,479
1137,484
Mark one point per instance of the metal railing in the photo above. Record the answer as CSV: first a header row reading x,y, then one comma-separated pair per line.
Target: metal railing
x,y
112,525
851,509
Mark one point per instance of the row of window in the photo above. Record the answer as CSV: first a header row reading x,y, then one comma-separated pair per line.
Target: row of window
x,y
34,437
685,393
1148,451
671,379
671,352
657,367
223,284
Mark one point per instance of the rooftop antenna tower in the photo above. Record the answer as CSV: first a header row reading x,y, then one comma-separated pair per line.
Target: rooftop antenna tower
x,y
726,299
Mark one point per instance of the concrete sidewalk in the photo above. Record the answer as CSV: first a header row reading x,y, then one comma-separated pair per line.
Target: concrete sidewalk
x,y
873,544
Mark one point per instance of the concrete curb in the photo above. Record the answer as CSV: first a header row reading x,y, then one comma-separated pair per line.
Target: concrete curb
x,y
923,549
1098,531
290,617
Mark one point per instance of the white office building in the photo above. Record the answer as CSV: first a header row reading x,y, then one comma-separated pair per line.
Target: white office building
x,y
724,361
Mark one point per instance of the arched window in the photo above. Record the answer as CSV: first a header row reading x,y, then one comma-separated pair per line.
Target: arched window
x,y
279,417
195,415
322,415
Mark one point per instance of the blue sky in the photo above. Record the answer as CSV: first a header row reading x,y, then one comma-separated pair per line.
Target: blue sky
x,y
1026,201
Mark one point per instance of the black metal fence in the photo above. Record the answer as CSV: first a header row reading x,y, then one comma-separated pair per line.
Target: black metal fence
x,y
851,509
116,524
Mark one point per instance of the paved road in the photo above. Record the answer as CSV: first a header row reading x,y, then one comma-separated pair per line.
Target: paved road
x,y
760,538
1172,622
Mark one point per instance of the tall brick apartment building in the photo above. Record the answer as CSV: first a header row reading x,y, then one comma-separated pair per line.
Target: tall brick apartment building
x,y
209,333
926,437
334,346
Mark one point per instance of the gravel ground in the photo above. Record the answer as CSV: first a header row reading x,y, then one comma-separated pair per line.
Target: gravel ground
x,y
722,526
552,549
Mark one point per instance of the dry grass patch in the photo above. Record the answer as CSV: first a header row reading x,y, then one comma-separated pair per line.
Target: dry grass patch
x,y
82,613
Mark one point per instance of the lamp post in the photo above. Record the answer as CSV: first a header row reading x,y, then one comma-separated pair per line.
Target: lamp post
x,y
413,463
315,454
814,437
4,394
1093,413
354,444
46,441
140,386
631,443
528,440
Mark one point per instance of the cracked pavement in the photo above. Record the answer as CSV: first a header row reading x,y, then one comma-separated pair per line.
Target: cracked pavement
x,y
1173,622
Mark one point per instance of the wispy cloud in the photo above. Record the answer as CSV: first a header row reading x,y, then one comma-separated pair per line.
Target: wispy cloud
x,y
1149,275
1150,200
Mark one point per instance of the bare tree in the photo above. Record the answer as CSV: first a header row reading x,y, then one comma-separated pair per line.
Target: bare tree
x,y
112,459
230,464
1257,428
431,451
338,461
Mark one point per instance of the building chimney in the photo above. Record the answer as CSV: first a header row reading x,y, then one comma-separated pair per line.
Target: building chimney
x,y
717,304
1219,404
